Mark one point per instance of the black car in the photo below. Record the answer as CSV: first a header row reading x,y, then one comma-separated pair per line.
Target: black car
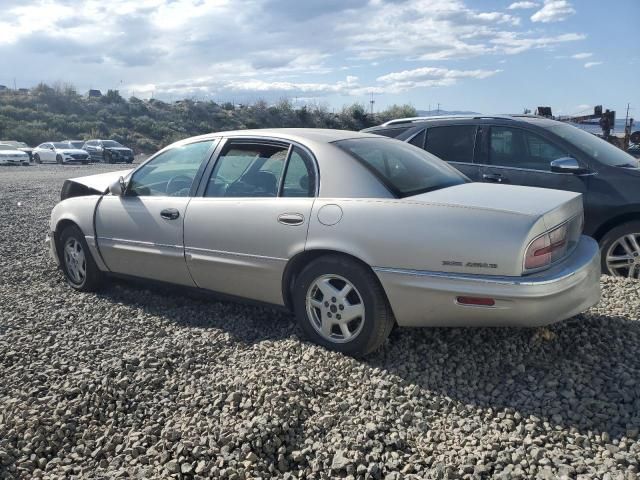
x,y
108,151
634,150
539,152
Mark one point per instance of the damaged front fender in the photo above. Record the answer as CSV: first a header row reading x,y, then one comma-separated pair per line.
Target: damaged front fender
x,y
91,184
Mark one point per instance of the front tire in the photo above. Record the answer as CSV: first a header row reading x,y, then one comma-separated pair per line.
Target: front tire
x,y
620,251
36,158
340,304
80,270
59,159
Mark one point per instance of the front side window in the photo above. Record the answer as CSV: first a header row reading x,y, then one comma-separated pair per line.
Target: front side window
x,y
515,147
171,173
595,147
248,170
404,169
452,143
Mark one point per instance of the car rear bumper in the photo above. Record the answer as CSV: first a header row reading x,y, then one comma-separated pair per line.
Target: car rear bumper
x,y
420,298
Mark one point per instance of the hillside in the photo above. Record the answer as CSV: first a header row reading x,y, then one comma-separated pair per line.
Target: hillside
x,y
55,113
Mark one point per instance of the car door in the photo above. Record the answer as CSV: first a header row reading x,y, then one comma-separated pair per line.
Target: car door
x,y
518,156
455,144
140,233
251,219
48,154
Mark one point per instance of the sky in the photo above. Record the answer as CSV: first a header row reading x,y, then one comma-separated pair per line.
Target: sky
x,y
488,56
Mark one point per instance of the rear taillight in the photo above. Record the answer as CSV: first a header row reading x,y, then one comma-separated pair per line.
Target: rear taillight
x,y
553,245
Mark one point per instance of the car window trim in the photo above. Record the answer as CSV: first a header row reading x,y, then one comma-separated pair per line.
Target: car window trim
x,y
414,135
257,140
284,171
198,176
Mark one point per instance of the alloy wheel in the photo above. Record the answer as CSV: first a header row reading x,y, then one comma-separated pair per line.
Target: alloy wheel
x,y
623,256
75,261
335,308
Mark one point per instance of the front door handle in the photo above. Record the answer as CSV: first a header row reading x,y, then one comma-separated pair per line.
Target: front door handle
x,y
493,177
170,213
291,219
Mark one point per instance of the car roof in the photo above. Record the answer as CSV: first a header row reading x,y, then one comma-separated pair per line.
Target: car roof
x,y
302,135
444,119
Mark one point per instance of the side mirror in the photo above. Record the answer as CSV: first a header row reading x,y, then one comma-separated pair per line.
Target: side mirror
x,y
118,187
567,165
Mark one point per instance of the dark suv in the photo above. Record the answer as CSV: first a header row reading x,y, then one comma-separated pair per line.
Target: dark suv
x,y
108,151
538,152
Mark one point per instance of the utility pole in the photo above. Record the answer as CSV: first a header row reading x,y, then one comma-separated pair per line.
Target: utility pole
x,y
372,101
438,111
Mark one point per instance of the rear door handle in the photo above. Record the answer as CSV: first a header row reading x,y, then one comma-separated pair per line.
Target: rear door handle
x,y
291,219
493,177
170,213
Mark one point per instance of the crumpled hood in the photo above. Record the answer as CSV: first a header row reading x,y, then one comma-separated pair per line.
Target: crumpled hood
x,y
100,182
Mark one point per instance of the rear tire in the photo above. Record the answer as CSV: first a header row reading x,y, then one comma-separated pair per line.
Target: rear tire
x,y
620,251
80,270
356,322
36,158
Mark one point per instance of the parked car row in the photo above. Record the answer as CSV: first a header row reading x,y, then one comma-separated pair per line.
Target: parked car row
x,y
66,152
539,152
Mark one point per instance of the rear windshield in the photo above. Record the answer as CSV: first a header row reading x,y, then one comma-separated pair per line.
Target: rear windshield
x,y
594,146
405,170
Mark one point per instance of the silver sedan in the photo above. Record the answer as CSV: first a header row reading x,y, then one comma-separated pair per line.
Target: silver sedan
x,y
353,232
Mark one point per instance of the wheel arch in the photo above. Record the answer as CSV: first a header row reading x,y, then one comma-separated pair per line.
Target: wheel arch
x,y
302,259
614,222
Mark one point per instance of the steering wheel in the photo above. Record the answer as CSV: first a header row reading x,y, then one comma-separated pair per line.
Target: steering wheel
x,y
178,183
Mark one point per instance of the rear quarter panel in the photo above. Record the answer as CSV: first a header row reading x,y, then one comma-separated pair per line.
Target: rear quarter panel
x,y
404,234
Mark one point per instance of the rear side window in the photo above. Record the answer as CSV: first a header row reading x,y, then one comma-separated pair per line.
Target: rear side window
x,y
300,178
452,143
404,169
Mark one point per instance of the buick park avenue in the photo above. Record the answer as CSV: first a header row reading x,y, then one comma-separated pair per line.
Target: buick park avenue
x,y
352,232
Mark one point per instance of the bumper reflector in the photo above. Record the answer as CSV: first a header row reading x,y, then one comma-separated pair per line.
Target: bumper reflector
x,y
476,301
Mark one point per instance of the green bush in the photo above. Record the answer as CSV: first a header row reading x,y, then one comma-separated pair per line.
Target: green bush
x,y
57,112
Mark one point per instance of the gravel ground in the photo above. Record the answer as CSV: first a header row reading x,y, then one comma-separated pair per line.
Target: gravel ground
x,y
136,382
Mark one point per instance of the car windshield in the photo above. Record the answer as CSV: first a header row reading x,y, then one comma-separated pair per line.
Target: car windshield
x,y
594,146
406,170
110,143
76,144
6,147
61,145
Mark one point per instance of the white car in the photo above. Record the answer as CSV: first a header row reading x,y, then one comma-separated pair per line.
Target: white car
x,y
59,152
10,155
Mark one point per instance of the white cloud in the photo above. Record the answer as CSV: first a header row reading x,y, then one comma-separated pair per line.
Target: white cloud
x,y
523,5
205,47
582,56
553,11
428,73
592,64
394,82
